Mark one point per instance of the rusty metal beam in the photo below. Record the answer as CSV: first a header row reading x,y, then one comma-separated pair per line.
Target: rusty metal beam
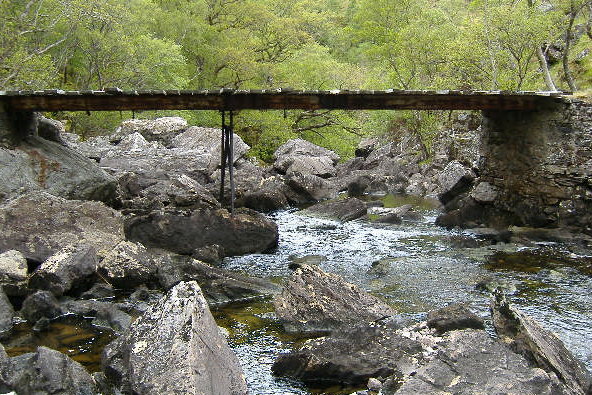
x,y
117,100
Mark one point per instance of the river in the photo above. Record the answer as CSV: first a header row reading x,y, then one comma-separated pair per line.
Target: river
x,y
416,267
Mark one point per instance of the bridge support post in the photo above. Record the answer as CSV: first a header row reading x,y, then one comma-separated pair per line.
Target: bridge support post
x,y
227,157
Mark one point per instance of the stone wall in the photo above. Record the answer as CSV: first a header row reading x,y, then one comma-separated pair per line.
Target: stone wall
x,y
537,165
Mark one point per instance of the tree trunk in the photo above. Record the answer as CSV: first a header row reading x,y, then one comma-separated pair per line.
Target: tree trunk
x,y
545,68
568,77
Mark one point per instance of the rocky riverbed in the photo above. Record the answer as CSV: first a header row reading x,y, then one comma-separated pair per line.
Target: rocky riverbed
x,y
121,239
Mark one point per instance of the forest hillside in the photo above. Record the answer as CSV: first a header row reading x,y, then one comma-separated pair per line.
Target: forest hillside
x,y
301,44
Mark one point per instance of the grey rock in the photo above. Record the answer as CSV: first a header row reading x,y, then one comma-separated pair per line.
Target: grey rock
x,y
51,130
47,371
211,254
245,232
218,285
39,225
37,164
343,209
315,301
265,200
113,318
175,347
352,357
13,266
359,185
390,218
527,337
128,265
484,192
99,291
366,146
305,188
454,317
66,270
39,305
454,180
465,364
162,130
303,157
6,315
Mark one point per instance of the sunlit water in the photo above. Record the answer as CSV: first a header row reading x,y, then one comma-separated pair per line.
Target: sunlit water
x,y
416,267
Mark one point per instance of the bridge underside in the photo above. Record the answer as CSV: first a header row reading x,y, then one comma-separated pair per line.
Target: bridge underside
x,y
278,99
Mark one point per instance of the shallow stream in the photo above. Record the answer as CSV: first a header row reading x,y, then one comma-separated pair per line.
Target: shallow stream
x,y
416,267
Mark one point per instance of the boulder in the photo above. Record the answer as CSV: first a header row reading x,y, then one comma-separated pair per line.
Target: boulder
x,y
484,192
315,301
41,304
306,188
162,130
208,140
245,232
218,285
366,146
39,225
470,362
129,265
265,200
99,291
68,269
45,371
175,347
6,315
454,180
527,337
454,317
37,164
342,209
105,314
303,157
13,266
352,357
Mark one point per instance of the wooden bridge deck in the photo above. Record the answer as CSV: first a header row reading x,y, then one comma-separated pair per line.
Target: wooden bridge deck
x,y
277,99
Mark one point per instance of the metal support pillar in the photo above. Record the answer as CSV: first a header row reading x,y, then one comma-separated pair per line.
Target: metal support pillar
x,y
227,158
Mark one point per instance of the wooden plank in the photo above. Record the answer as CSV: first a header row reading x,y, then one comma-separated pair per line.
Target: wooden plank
x,y
227,99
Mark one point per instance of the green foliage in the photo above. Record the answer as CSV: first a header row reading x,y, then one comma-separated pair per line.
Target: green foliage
x,y
302,44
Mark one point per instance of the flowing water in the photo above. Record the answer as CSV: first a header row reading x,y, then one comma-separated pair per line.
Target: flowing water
x,y
416,267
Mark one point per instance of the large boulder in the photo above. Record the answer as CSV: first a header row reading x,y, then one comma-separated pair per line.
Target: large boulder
x,y
354,356
303,157
218,285
39,225
306,188
454,180
6,315
244,232
67,269
470,362
454,317
527,337
129,265
45,371
162,130
342,209
37,164
176,347
315,301
41,304
13,272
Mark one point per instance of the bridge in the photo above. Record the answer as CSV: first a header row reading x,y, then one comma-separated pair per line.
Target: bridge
x,y
530,148
274,99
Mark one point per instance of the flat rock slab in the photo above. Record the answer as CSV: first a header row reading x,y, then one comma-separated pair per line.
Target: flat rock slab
x,y
454,317
343,209
315,301
175,347
470,362
39,225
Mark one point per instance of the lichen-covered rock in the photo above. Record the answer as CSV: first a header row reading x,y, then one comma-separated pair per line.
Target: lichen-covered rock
x,y
176,347
245,232
454,180
353,357
306,188
37,164
39,225
315,301
343,209
302,157
162,130
45,371
41,304
527,337
66,269
13,273
469,362
6,315
129,265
